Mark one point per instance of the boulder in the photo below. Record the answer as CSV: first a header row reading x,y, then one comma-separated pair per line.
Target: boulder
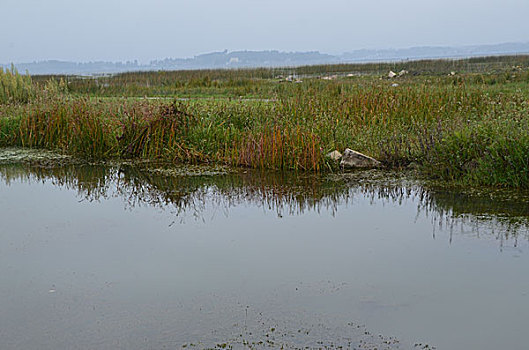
x,y
334,155
353,159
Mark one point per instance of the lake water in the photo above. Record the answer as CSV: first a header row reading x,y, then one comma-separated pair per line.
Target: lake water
x,y
121,257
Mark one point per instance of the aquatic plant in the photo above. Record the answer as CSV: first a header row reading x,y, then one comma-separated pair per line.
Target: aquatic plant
x,y
468,128
15,87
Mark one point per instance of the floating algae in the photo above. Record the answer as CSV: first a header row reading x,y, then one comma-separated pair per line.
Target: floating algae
x,y
41,157
29,155
190,170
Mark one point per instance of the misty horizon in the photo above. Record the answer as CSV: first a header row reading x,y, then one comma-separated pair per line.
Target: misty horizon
x,y
273,58
114,30
136,61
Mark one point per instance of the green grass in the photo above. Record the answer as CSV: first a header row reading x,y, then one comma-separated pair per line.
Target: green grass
x,y
469,128
263,82
15,87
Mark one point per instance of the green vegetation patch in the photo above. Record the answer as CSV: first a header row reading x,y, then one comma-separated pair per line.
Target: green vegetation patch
x,y
461,121
15,87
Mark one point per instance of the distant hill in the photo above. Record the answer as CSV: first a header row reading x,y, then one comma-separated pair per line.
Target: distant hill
x,y
243,59
247,59
426,52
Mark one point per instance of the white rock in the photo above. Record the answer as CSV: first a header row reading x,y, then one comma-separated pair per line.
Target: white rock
x,y
353,159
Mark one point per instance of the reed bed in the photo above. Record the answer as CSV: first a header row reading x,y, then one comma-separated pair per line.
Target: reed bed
x,y
279,148
263,82
469,128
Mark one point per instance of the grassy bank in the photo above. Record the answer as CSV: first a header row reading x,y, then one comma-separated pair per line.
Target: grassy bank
x,y
468,127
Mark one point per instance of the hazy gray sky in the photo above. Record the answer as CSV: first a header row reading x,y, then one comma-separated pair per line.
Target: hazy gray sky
x,y
144,30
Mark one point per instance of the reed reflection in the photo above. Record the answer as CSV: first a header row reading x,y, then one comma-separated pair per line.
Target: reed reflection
x,y
190,190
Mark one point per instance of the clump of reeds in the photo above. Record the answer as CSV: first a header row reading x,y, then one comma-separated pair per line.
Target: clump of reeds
x,y
73,126
492,151
278,148
158,134
15,87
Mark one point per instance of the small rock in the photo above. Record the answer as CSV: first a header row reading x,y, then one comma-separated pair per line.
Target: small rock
x,y
334,155
353,159
394,84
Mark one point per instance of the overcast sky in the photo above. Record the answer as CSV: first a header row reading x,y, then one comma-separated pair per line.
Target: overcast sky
x,y
119,30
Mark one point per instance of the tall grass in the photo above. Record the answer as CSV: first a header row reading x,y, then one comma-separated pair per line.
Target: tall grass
x,y
470,128
15,87
278,148
493,151
263,82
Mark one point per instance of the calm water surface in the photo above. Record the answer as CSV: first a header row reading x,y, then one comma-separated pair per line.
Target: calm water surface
x,y
96,257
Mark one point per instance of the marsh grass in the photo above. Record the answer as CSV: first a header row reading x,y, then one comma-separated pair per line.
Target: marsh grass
x,y
469,128
265,82
490,152
14,87
279,148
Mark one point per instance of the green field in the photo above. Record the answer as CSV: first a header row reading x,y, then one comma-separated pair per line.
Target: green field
x,y
463,121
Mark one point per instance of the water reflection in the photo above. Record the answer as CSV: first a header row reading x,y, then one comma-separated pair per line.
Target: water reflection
x,y
347,252
189,190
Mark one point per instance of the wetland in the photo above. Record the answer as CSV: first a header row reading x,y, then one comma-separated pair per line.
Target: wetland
x,y
138,256
198,209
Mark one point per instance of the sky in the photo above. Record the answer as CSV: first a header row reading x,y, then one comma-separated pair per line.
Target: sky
x,y
118,30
